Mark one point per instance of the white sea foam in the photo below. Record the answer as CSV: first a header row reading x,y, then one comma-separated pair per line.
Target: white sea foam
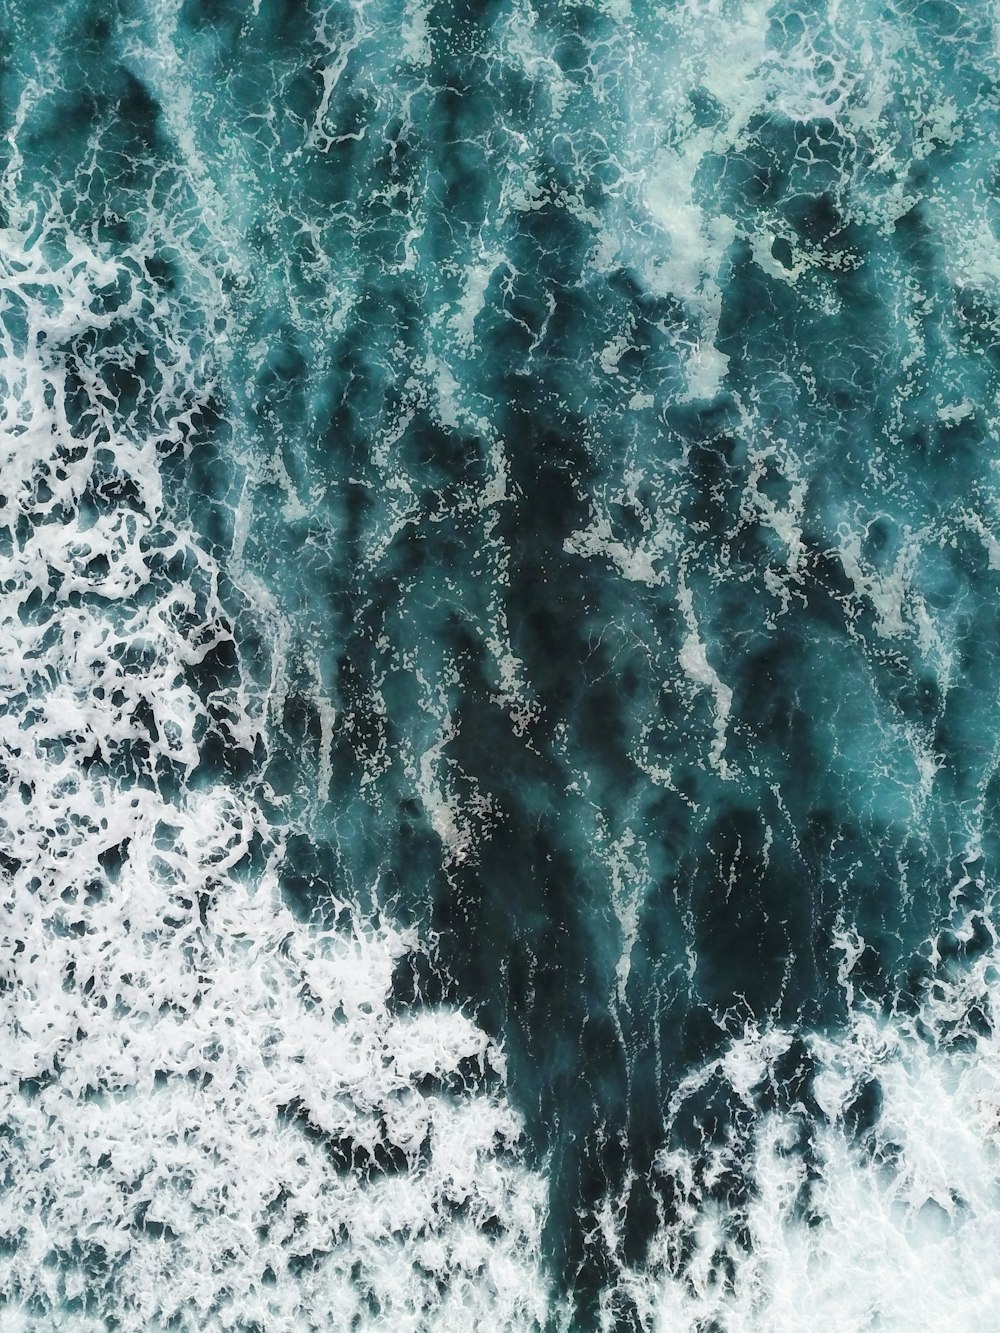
x,y
885,1218
213,1112
694,663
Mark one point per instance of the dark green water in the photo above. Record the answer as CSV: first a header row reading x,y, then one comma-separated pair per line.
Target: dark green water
x,y
504,516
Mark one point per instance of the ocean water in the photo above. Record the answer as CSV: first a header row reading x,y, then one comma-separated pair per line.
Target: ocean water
x,y
500,674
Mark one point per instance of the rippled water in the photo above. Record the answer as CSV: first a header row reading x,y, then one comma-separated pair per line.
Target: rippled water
x,y
499,719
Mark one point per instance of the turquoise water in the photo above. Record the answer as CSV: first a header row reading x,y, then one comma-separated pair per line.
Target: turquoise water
x,y
501,548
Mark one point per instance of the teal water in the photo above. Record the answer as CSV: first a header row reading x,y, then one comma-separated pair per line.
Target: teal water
x,y
501,551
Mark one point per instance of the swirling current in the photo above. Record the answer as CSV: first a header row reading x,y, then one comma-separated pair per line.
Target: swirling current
x,y
500,674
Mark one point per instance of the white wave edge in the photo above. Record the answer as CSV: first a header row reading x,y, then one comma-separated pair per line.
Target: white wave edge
x,y
892,1229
